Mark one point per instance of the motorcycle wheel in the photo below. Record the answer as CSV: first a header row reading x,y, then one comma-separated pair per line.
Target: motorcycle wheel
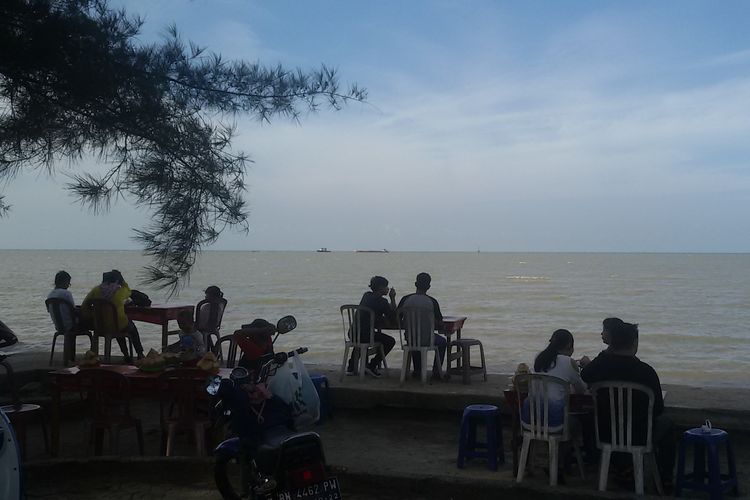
x,y
223,483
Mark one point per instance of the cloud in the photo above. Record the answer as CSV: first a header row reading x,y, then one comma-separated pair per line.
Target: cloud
x,y
588,132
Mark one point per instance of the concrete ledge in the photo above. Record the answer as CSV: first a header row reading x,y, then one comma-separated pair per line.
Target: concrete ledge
x,y
727,408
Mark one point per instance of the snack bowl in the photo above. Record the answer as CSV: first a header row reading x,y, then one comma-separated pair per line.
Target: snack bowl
x,y
159,367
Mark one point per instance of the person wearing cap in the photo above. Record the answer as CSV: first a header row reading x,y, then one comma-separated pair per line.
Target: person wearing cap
x,y
385,316
254,340
114,289
421,300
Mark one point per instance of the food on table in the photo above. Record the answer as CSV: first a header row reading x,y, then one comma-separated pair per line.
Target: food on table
x,y
90,360
152,362
209,363
171,358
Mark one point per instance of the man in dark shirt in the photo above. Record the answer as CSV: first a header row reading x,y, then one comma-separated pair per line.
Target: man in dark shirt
x,y
421,300
619,363
385,316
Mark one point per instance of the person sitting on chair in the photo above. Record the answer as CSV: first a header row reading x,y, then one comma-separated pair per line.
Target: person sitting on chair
x,y
255,340
190,345
556,360
619,363
114,289
62,283
608,325
215,298
385,316
70,323
421,300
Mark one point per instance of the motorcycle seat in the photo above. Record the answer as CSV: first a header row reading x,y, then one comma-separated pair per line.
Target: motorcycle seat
x,y
269,451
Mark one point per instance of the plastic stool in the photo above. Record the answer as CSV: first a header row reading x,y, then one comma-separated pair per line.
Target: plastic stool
x,y
468,447
696,480
322,387
465,369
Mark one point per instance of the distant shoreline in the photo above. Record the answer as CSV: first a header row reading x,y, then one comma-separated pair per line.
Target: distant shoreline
x,y
345,250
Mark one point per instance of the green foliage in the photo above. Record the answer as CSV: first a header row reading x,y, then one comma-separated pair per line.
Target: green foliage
x,y
73,82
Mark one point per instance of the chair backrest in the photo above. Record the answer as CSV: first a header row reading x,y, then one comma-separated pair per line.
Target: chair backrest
x,y
617,399
416,326
351,318
108,392
208,315
539,387
59,310
230,360
179,390
104,316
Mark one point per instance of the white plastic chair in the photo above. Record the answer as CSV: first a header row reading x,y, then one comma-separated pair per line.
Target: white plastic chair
x,y
538,429
411,322
353,335
619,395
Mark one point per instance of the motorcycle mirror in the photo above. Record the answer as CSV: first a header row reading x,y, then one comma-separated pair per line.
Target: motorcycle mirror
x,y
213,386
239,375
286,324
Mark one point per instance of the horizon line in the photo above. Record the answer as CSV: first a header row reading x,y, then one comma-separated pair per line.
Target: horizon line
x,y
680,252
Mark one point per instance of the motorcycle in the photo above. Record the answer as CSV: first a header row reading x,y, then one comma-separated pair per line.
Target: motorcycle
x,y
10,461
277,462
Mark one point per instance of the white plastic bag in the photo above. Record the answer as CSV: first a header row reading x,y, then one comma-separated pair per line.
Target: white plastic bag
x,y
293,385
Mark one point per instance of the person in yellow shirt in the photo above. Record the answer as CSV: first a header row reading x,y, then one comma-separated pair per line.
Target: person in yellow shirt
x,y
114,289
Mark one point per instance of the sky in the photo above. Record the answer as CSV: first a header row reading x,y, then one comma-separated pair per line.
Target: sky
x,y
501,126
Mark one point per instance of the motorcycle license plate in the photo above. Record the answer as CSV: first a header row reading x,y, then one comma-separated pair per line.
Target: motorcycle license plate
x,y
328,489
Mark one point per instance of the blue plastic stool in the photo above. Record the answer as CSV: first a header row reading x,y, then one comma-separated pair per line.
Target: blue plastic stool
x,y
322,387
468,447
706,442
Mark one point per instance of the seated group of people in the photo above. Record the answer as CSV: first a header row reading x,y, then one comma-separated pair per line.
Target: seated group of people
x,y
618,362
114,289
385,317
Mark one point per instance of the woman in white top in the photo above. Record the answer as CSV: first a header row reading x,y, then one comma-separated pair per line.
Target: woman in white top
x,y
555,360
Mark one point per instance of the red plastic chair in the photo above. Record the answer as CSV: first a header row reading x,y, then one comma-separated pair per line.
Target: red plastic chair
x,y
108,396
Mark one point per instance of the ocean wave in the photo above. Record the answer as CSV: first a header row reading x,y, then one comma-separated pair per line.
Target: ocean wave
x,y
528,278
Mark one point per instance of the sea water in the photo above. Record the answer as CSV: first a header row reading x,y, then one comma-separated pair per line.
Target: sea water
x,y
693,309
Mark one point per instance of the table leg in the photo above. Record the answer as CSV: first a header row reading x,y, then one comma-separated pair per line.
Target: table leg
x,y
66,348
55,422
164,334
460,354
515,437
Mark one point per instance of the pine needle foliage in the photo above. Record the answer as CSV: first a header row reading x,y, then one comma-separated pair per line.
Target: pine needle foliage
x,y
75,82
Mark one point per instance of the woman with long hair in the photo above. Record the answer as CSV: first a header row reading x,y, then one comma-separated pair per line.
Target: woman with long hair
x,y
556,360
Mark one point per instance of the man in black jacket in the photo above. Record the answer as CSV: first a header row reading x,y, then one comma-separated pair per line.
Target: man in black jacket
x,y
619,363
385,316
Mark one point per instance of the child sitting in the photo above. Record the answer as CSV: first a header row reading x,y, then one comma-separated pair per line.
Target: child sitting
x,y
191,344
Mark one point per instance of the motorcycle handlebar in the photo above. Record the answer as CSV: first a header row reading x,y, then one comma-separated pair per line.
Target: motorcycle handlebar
x,y
278,359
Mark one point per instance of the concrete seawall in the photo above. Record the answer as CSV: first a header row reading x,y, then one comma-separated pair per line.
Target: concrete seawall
x,y
385,441
727,408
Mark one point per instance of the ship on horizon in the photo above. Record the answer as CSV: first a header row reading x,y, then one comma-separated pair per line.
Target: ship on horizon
x,y
323,250
384,250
